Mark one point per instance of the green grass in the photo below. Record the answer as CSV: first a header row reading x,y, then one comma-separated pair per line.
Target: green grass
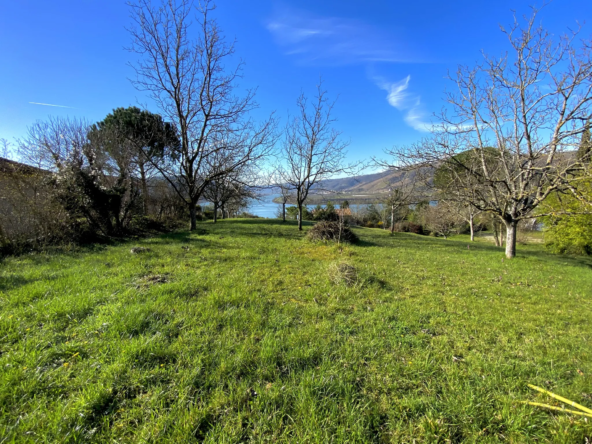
x,y
236,333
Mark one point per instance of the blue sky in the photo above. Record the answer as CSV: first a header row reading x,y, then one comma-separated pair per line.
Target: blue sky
x,y
386,62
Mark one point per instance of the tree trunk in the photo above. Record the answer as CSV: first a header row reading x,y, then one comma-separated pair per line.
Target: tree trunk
x,y
144,188
3,238
299,217
472,226
392,219
223,212
215,212
284,211
496,233
193,216
511,239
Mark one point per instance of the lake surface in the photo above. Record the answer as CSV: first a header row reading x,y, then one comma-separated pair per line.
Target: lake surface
x,y
267,208
264,207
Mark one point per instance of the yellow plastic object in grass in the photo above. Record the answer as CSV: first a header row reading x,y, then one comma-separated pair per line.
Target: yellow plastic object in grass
x,y
585,410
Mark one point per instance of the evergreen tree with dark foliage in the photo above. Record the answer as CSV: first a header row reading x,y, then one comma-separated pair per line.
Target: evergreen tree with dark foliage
x,y
139,138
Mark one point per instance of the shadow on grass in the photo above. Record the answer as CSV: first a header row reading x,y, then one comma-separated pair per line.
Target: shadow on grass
x,y
365,243
14,281
380,283
182,237
419,242
291,225
265,222
255,228
372,237
531,251
47,254
369,237
576,261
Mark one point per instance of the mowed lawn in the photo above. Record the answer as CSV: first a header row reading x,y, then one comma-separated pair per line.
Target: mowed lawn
x,y
235,333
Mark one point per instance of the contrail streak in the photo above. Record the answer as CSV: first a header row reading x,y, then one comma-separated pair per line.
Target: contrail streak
x,y
49,104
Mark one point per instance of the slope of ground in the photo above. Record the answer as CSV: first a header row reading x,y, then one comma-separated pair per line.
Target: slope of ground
x,y
235,333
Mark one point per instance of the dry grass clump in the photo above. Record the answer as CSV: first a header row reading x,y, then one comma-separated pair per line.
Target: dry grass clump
x,y
139,250
153,279
331,231
342,273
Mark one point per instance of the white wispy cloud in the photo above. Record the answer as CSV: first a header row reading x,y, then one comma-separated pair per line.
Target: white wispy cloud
x,y
49,104
332,40
416,118
396,92
403,100
335,40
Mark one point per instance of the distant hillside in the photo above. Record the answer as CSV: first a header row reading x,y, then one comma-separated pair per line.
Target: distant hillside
x,y
366,184
361,189
353,183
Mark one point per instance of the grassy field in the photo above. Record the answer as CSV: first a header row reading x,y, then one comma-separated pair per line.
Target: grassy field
x,y
235,333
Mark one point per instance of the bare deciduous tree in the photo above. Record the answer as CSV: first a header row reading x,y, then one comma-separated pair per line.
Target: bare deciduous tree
x,y
276,180
521,116
5,151
52,143
468,212
189,81
401,196
228,192
312,149
455,184
88,180
285,196
442,219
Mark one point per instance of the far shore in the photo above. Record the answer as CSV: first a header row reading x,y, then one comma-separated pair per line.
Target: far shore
x,y
336,198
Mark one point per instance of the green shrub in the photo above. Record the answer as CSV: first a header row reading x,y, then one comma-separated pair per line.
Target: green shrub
x,y
409,227
292,213
327,213
569,234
